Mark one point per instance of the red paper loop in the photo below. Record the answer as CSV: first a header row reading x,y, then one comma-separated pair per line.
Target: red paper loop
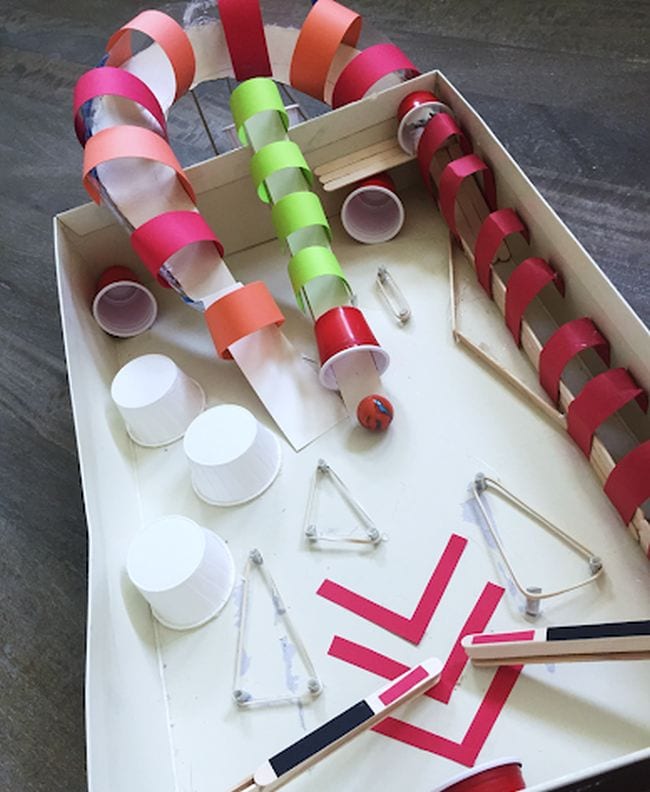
x,y
565,343
109,81
437,133
367,68
524,284
628,485
451,179
494,229
240,313
328,25
243,27
158,239
170,37
600,398
342,328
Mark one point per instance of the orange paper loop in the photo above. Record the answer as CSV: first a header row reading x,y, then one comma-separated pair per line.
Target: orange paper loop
x,y
327,26
168,34
240,313
128,141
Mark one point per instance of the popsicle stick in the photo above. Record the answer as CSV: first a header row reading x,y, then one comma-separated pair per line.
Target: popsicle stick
x,y
329,170
591,657
339,730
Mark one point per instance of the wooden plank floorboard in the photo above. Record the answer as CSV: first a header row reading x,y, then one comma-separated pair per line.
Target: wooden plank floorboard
x,y
566,86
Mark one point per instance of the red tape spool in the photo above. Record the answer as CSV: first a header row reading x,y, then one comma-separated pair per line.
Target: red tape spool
x,y
502,776
340,330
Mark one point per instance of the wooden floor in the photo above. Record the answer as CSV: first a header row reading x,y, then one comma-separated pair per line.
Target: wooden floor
x,y
565,84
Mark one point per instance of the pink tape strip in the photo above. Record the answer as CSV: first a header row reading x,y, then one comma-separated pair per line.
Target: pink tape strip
x,y
466,751
438,133
628,485
376,663
404,685
451,179
490,638
524,284
158,239
366,69
411,629
243,27
109,81
494,229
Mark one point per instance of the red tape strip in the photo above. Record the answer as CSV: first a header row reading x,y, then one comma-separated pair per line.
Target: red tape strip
x,y
438,133
451,179
565,343
494,229
600,398
366,69
628,485
524,284
158,239
410,628
243,27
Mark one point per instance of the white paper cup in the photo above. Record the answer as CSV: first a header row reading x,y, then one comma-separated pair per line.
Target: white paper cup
x,y
233,458
373,212
185,572
122,306
156,399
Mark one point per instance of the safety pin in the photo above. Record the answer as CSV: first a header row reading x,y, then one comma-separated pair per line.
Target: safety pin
x,y
393,295
372,535
241,696
532,594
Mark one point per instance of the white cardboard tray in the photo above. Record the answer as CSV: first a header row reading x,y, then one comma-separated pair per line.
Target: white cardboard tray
x,y
158,703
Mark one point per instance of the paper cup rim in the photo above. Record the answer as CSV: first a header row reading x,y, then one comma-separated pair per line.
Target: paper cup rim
x,y
258,492
366,238
326,375
402,139
134,283
220,606
474,771
177,437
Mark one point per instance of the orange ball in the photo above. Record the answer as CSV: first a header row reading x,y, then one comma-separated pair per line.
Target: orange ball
x,y
375,413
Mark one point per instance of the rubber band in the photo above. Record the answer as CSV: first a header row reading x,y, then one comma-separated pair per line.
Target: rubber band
x,y
109,81
240,313
298,210
129,141
628,485
328,25
451,179
168,34
565,343
311,263
494,229
252,97
600,398
366,69
275,157
158,239
243,28
524,284
438,133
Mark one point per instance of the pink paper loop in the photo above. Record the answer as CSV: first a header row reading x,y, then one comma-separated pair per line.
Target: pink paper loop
x,y
451,179
494,229
565,343
366,69
168,34
600,398
524,284
243,27
109,81
628,485
158,239
438,133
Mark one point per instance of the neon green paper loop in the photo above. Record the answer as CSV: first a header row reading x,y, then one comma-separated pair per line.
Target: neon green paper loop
x,y
252,97
276,157
310,263
298,210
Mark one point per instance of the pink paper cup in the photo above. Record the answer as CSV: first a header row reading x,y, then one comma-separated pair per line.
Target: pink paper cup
x,y
122,306
373,212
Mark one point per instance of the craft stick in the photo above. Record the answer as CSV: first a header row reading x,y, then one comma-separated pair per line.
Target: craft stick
x,y
629,640
325,171
339,730
366,167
